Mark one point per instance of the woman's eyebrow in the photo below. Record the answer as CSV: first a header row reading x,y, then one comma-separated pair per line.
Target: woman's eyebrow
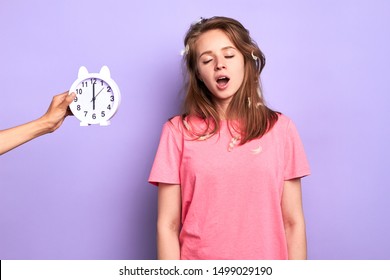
x,y
224,48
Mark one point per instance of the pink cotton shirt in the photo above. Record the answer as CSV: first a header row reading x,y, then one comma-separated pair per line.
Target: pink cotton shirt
x,y
231,200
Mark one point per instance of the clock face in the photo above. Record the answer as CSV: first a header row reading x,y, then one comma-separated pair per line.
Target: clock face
x,y
94,102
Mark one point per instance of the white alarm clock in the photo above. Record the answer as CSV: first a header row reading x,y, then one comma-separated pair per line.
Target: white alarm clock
x,y
97,97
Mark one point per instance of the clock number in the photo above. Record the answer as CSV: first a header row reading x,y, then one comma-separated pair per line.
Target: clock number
x,y
78,107
79,90
85,84
93,81
103,114
75,99
112,98
108,89
93,116
85,112
109,107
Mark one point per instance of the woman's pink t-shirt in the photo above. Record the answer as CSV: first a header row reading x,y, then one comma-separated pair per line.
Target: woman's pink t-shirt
x,y
231,200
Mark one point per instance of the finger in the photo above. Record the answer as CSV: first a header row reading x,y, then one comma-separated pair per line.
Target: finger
x,y
69,99
64,93
61,96
58,99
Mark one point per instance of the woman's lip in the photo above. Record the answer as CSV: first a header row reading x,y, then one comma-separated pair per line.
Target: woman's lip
x,y
221,77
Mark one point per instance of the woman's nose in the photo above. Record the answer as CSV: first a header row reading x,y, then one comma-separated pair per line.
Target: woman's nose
x,y
220,64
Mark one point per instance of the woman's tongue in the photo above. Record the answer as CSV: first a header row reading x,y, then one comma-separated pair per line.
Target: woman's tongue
x,y
222,82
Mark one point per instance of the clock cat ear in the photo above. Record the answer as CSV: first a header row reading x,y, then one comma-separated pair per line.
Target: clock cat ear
x,y
105,72
82,72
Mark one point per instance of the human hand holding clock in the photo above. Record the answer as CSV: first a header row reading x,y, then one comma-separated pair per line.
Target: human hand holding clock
x,y
87,107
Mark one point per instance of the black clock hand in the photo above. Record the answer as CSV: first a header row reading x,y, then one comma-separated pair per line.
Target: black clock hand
x,y
93,96
97,94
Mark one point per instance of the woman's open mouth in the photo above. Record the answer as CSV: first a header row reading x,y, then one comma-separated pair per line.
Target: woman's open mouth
x,y
222,82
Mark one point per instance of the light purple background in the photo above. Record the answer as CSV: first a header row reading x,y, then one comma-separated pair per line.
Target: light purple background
x,y
82,192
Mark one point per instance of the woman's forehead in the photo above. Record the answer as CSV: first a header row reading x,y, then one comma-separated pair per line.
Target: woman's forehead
x,y
213,40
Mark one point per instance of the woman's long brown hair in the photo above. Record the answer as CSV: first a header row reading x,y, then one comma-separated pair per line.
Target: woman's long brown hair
x,y
247,105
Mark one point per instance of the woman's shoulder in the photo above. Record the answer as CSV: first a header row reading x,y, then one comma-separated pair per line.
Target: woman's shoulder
x,y
181,121
283,120
172,127
186,125
283,125
175,120
174,123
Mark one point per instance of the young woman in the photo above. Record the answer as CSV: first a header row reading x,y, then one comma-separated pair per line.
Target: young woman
x,y
229,168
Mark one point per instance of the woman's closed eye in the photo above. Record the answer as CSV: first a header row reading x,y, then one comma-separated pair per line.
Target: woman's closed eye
x,y
209,60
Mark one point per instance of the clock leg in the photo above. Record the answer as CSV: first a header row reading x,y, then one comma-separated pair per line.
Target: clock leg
x,y
105,123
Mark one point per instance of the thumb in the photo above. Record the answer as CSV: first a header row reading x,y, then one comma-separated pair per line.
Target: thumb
x,y
69,99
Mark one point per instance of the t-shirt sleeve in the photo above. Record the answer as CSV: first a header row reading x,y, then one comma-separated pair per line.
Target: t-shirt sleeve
x,y
296,164
166,166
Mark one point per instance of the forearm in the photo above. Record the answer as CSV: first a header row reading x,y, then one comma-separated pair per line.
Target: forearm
x,y
296,241
168,245
168,221
16,136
